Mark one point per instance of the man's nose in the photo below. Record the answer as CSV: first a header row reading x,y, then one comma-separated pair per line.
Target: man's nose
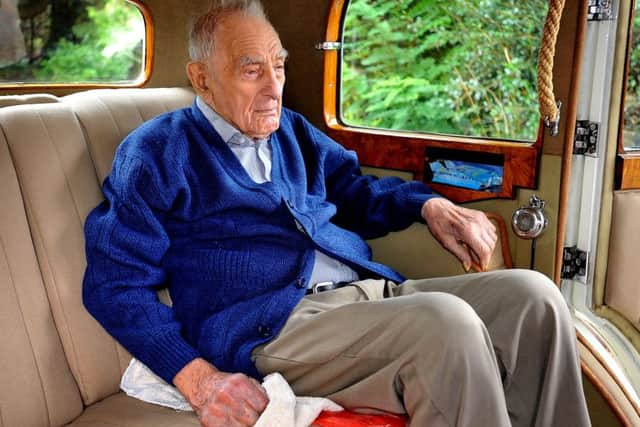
x,y
272,84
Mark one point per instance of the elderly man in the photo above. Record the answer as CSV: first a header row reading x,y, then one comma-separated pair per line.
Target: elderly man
x,y
255,221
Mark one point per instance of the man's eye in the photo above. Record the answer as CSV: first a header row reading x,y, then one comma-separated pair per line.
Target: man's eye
x,y
252,72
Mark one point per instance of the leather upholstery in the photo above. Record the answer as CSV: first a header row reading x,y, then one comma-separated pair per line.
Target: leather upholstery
x,y
59,358
37,388
621,292
39,98
60,187
108,115
59,365
121,411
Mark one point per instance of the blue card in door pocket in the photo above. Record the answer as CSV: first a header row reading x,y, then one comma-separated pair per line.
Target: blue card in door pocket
x,y
474,176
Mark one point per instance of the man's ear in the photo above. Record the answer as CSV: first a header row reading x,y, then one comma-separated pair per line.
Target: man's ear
x,y
197,73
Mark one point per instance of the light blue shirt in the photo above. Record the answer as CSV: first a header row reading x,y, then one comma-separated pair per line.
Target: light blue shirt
x,y
255,157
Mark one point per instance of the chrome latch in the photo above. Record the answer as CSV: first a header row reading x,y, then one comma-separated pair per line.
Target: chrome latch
x,y
554,125
329,46
528,222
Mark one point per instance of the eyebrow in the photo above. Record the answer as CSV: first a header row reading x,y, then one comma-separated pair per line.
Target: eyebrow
x,y
284,54
251,60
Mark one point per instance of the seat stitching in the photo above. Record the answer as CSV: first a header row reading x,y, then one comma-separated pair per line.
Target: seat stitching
x,y
91,157
138,110
64,172
74,354
164,105
53,278
121,136
112,116
86,141
26,205
3,251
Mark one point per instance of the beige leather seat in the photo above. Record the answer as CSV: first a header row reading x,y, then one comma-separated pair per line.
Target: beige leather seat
x,y
38,98
37,388
60,366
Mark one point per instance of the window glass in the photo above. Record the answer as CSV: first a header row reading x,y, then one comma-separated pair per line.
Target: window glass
x,y
70,41
631,135
443,66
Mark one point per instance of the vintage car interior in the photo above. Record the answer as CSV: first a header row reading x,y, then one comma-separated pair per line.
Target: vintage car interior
x,y
565,202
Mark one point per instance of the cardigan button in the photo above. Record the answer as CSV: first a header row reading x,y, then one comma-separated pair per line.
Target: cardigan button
x,y
264,331
301,283
300,227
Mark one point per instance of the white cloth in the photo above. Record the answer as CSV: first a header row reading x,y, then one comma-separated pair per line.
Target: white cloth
x,y
284,408
140,382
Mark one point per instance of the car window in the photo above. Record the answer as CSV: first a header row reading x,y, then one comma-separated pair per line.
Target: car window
x,y
452,67
631,134
77,41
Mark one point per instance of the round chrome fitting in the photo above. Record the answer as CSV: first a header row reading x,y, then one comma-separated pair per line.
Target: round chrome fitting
x,y
528,222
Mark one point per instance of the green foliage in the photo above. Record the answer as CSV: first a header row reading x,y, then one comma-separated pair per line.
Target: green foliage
x,y
632,98
633,82
108,47
103,44
452,66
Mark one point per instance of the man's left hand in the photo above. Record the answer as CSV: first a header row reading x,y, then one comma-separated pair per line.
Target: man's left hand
x,y
466,233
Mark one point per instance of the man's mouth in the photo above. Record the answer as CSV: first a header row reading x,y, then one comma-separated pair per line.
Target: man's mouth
x,y
267,111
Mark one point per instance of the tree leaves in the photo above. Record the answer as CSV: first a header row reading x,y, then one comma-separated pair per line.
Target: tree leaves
x,y
455,66
108,48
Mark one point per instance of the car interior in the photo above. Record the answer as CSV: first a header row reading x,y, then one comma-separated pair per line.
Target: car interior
x,y
57,143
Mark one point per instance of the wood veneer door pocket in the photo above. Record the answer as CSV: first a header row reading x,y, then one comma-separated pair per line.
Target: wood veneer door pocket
x,y
466,170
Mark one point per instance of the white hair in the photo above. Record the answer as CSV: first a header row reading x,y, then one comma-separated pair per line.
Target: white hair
x,y
201,36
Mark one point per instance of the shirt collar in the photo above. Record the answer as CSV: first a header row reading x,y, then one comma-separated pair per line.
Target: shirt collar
x,y
226,130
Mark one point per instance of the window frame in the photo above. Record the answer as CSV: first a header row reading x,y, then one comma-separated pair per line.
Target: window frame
x,y
406,150
144,78
627,161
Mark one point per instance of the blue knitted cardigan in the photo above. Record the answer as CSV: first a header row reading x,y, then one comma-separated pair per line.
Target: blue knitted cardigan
x,y
181,212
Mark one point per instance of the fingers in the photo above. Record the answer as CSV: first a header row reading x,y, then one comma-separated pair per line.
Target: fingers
x,y
258,398
231,400
476,264
489,237
460,250
481,237
249,396
480,247
467,233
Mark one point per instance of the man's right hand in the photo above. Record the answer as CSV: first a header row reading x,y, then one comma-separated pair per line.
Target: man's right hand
x,y
221,399
466,233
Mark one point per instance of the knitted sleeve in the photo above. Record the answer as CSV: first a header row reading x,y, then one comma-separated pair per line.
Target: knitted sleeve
x,y
125,243
367,205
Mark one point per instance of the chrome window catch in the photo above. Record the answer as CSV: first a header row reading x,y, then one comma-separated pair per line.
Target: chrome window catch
x,y
329,46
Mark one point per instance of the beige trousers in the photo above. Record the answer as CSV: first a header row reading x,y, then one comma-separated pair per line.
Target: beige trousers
x,y
487,350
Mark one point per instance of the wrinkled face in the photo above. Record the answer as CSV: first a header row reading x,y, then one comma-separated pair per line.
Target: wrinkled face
x,y
245,75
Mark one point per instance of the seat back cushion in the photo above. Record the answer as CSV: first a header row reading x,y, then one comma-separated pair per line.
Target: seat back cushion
x,y
621,292
108,115
9,100
60,187
54,155
37,386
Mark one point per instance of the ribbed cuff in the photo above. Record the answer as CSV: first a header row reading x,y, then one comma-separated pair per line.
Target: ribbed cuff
x,y
413,204
168,355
